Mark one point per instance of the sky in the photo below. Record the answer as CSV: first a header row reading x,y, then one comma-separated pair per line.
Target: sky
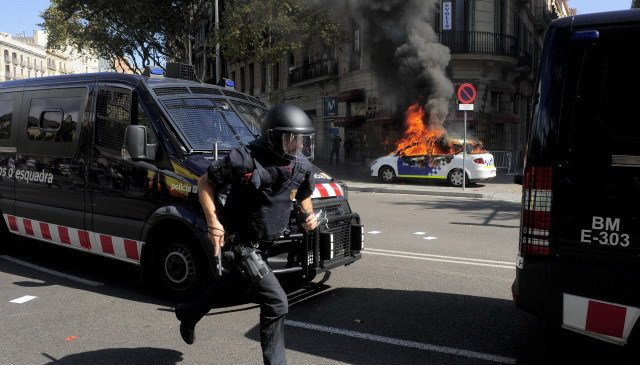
x,y
23,15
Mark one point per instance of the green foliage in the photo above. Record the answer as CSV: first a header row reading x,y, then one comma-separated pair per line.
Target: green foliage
x,y
150,32
264,30
139,33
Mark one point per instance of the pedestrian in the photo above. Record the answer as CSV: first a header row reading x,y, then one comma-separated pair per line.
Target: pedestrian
x,y
335,148
267,179
348,147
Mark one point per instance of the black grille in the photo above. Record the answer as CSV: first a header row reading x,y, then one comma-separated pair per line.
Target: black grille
x,y
341,238
205,90
175,90
113,118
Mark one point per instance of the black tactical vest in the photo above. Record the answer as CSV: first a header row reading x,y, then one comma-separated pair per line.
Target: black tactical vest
x,y
263,188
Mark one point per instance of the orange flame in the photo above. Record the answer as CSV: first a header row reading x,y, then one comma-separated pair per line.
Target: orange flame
x,y
420,139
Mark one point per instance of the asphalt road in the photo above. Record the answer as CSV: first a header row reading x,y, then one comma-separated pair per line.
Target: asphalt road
x,y
433,287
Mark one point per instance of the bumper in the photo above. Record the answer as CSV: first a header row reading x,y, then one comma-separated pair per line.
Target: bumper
x,y
533,291
484,174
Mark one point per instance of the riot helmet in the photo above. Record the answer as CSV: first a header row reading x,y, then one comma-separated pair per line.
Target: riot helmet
x,y
289,132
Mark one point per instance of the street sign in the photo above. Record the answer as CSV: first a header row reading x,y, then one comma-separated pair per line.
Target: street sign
x,y
465,107
467,93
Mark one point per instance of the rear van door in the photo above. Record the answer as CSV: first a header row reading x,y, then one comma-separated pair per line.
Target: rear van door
x,y
596,192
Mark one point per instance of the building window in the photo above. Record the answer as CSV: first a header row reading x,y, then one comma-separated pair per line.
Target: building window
x,y
276,76
263,77
354,52
252,78
242,83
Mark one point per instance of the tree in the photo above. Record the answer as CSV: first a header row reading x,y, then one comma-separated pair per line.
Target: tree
x,y
151,32
140,33
264,30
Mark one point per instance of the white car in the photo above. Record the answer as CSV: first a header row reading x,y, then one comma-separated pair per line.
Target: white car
x,y
478,167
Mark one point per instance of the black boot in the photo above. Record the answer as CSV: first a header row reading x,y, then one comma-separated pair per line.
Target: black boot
x,y
187,327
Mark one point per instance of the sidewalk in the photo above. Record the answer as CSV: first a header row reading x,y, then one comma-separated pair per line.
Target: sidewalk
x,y
358,178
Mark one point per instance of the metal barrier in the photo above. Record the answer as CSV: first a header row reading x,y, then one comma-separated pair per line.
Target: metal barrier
x,y
502,160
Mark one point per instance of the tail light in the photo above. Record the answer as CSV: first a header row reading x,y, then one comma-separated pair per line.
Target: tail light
x,y
536,211
479,161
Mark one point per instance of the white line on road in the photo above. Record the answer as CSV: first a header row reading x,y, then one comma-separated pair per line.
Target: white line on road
x,y
405,343
440,258
52,272
24,299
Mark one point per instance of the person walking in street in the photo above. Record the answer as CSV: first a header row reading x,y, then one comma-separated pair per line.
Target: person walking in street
x,y
348,147
335,148
267,178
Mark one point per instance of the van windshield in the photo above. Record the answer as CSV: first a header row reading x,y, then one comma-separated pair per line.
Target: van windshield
x,y
206,121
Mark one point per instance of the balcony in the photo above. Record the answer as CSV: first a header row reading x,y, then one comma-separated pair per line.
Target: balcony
x,y
542,16
484,43
315,70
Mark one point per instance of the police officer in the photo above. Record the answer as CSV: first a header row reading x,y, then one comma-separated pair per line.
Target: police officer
x,y
267,178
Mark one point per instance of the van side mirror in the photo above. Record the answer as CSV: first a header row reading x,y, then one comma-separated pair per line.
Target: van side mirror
x,y
135,143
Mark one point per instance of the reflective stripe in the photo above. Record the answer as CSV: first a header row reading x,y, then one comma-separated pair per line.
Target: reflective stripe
x,y
327,190
98,243
607,321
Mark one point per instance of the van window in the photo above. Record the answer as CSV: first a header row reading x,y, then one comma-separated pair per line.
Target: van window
x,y
205,121
6,113
252,114
113,117
54,119
143,119
602,118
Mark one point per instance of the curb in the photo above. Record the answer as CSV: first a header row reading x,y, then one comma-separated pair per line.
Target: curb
x,y
419,192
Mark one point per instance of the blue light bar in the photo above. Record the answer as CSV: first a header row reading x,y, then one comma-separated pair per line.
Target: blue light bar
x,y
156,70
585,35
229,83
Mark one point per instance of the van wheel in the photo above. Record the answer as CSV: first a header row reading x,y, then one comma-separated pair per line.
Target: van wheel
x,y
180,268
387,174
455,177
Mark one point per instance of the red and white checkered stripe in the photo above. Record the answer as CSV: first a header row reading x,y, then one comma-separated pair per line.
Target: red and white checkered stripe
x,y
607,321
327,190
98,243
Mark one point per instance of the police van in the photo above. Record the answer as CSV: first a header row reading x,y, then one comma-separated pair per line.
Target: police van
x,y
579,252
108,163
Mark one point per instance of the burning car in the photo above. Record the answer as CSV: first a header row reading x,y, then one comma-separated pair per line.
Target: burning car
x,y
426,152
478,166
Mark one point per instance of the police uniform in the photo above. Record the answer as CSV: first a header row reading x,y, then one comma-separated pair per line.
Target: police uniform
x,y
257,209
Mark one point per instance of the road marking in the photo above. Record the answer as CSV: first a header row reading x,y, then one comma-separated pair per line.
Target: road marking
x,y
420,233
404,343
373,232
49,271
24,299
440,258
429,238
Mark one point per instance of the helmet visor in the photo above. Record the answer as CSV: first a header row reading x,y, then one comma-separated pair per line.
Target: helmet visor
x,y
298,145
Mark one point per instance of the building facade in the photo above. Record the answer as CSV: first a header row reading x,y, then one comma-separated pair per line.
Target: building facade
x,y
349,89
27,56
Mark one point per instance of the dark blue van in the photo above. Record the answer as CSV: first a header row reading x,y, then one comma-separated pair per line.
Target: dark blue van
x,y
579,251
107,163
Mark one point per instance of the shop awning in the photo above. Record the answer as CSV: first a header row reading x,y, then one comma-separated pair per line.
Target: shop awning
x,y
354,121
351,95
